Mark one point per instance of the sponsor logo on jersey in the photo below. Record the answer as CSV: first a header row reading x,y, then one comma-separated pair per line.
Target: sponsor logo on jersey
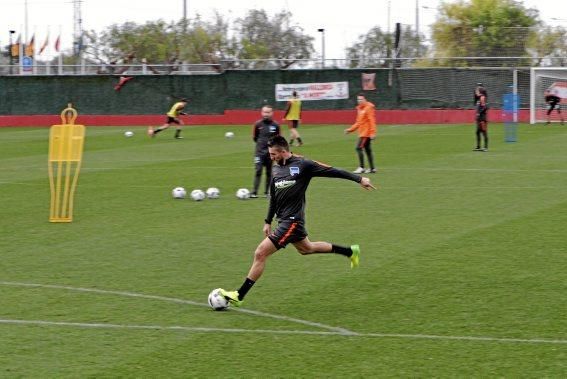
x,y
284,183
272,128
294,170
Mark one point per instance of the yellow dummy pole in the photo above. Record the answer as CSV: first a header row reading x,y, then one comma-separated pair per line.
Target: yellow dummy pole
x,y
64,163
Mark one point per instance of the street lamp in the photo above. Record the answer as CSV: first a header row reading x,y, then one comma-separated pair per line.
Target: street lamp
x,y
322,31
11,56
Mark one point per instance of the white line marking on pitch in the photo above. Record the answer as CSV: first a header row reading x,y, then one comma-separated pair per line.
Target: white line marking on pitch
x,y
331,331
181,301
268,331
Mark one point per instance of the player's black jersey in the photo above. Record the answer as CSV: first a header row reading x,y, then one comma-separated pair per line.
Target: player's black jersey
x,y
552,99
290,181
481,108
263,131
477,97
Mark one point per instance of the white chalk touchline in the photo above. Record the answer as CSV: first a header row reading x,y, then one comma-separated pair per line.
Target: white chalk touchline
x,y
179,301
273,331
331,331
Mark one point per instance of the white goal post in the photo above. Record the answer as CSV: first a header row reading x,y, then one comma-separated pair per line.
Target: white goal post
x,y
553,79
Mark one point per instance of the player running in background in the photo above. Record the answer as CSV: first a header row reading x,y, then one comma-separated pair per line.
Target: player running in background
x,y
263,130
291,177
293,115
366,125
553,102
172,119
481,119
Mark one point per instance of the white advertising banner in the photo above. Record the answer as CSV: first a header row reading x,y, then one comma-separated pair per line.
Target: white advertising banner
x,y
559,89
313,91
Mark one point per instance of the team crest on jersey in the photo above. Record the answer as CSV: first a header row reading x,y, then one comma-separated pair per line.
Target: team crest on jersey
x,y
272,128
294,170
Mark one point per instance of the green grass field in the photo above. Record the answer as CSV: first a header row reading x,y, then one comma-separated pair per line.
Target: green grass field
x,y
463,269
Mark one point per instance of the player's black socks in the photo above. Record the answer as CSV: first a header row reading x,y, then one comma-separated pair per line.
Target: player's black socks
x,y
299,140
291,141
346,251
157,130
177,132
243,290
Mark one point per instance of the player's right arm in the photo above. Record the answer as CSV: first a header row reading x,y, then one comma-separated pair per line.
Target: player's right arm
x,y
288,107
271,210
255,132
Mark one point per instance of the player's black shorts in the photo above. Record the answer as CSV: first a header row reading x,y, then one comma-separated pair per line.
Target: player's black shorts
x,y
294,123
481,116
172,120
288,231
553,106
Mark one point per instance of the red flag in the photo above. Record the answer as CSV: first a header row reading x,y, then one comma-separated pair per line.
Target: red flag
x,y
30,47
123,80
44,44
58,43
368,82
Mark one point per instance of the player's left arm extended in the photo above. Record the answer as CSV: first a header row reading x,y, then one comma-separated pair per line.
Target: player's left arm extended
x,y
323,170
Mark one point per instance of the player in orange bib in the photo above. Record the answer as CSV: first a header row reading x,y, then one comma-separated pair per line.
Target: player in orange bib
x,y
366,126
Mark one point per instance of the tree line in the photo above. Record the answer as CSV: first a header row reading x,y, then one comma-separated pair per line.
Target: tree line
x,y
473,28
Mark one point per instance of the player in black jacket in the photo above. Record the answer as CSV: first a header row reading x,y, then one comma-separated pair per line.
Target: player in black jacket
x,y
481,119
264,129
553,102
290,178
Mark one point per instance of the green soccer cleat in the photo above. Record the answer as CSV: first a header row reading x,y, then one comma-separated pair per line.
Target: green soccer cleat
x,y
355,257
232,297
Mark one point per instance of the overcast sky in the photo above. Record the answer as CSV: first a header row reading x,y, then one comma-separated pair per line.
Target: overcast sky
x,y
343,23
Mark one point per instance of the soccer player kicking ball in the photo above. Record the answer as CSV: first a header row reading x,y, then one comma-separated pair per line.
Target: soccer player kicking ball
x,y
291,175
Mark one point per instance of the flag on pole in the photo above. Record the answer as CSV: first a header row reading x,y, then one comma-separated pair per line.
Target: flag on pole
x,y
15,48
30,47
58,43
44,46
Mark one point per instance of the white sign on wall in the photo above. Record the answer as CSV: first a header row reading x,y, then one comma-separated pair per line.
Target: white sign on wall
x,y
313,91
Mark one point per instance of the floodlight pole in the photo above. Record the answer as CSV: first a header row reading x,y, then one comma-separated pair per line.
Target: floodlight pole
x,y
322,31
11,46
184,15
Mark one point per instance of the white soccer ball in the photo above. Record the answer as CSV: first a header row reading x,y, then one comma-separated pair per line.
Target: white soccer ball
x,y
217,301
213,193
197,195
128,134
179,193
228,135
243,194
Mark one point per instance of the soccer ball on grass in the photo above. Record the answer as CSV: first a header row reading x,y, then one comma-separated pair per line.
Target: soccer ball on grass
x,y
217,301
197,195
243,194
179,193
213,193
